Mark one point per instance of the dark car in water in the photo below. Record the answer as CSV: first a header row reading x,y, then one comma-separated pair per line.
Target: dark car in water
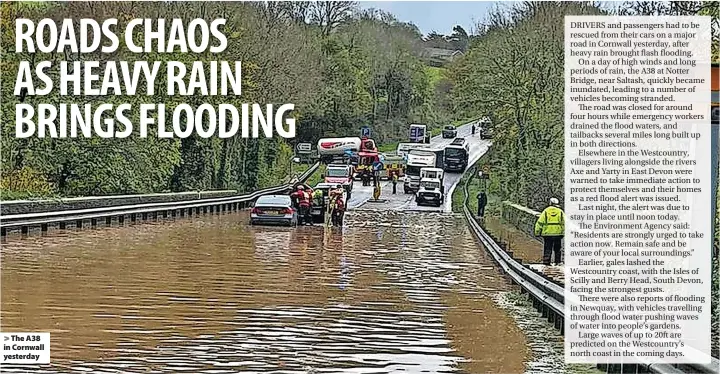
x,y
274,210
449,132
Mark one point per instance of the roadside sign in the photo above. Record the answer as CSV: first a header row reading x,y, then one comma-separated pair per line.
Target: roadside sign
x,y
365,132
304,147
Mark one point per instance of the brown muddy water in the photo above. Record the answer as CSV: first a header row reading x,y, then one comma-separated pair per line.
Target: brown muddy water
x,y
395,291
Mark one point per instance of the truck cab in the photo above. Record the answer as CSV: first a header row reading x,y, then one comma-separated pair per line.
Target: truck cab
x,y
430,192
340,174
434,173
368,145
456,157
417,160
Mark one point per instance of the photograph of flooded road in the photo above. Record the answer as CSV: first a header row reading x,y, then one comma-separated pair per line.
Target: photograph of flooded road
x,y
393,292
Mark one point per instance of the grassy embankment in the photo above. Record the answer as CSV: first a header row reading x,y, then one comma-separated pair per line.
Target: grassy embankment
x,y
494,209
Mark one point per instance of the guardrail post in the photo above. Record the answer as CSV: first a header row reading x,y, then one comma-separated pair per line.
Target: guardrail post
x,y
182,212
173,213
3,232
121,219
62,225
144,216
93,222
44,227
24,230
108,221
133,217
78,224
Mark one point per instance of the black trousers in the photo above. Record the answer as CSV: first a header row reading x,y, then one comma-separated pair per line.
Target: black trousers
x,y
394,188
481,210
552,244
304,215
337,218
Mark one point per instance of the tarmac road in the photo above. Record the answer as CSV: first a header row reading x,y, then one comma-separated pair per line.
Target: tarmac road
x,y
400,201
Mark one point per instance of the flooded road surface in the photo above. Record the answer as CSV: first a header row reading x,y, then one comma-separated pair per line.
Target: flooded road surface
x,y
394,292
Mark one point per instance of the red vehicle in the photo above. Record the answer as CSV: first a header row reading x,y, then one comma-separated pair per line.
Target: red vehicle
x,y
340,174
368,145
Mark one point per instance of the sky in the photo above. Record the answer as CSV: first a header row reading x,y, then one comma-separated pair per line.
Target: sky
x,y
439,16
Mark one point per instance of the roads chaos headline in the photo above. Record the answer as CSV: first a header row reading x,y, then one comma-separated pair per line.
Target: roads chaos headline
x,y
155,95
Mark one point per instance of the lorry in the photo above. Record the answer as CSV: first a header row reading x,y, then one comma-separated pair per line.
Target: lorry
x,y
456,157
340,174
330,149
333,149
416,160
419,134
404,148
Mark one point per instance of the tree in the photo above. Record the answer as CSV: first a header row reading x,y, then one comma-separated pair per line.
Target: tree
x,y
459,38
331,14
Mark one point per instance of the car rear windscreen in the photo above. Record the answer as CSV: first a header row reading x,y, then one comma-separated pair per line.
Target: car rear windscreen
x,y
273,200
337,172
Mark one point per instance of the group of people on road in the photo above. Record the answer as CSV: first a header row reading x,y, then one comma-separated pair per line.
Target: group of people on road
x,y
304,198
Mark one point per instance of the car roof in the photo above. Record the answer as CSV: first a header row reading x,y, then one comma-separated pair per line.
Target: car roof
x,y
275,198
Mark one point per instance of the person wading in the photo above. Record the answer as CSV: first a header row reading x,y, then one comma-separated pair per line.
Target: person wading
x,y
304,200
338,212
551,227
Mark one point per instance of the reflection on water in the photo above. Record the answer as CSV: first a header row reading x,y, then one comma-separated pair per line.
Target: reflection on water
x,y
393,292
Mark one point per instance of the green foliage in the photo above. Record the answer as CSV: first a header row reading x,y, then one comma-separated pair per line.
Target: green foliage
x,y
341,72
514,72
24,184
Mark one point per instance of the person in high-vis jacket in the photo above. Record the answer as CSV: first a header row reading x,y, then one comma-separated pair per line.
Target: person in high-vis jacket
x,y
551,227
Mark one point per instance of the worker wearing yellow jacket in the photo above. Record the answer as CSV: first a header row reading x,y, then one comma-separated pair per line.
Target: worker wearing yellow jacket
x,y
551,227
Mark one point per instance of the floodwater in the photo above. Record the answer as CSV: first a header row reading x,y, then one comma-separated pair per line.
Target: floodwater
x,y
395,291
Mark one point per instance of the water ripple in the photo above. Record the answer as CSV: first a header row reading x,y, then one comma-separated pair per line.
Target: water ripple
x,y
394,292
